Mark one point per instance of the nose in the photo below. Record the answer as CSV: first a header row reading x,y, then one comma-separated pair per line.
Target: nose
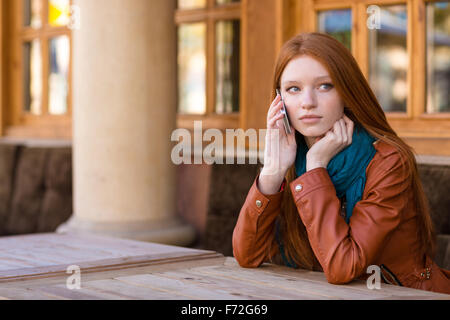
x,y
308,100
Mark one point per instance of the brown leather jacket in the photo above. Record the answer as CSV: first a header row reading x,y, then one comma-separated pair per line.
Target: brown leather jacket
x,y
382,229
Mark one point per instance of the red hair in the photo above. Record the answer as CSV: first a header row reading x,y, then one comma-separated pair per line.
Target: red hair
x,y
363,108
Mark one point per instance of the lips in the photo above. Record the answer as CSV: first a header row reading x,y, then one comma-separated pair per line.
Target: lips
x,y
310,116
310,119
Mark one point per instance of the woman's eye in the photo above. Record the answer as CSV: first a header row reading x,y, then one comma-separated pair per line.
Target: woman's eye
x,y
326,86
291,89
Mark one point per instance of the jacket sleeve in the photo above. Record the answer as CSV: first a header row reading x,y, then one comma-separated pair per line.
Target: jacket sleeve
x,y
254,236
345,250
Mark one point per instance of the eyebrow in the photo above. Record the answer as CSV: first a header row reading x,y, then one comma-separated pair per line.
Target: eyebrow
x,y
316,79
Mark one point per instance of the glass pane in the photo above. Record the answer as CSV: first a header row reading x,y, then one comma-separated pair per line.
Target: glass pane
x,y
59,51
227,66
192,68
32,10
219,2
338,24
32,77
191,4
388,58
438,57
58,12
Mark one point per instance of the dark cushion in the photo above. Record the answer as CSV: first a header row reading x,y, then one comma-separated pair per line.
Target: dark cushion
x,y
28,191
442,258
436,183
8,156
229,188
57,199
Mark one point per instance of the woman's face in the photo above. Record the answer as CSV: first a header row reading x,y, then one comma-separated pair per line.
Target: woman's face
x,y
312,102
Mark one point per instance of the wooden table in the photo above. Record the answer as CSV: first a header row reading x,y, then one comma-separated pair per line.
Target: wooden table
x,y
35,267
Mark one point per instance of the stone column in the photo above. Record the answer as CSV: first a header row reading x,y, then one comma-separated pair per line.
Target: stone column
x,y
124,111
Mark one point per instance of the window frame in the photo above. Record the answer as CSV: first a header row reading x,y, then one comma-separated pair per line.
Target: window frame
x,y
2,69
415,123
210,15
19,123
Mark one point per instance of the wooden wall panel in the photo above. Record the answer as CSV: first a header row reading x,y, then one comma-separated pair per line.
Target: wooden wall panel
x,y
259,54
1,67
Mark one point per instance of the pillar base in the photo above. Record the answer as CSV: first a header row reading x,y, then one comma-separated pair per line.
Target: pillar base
x,y
171,231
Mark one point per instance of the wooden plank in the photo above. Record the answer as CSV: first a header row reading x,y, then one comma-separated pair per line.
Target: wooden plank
x,y
24,294
289,284
221,281
100,265
240,289
137,270
159,282
106,247
110,274
314,281
21,257
66,248
62,293
360,285
134,291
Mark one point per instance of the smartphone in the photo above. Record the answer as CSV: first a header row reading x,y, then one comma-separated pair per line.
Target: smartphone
x,y
287,126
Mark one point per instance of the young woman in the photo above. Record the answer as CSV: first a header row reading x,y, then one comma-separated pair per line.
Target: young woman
x,y
345,192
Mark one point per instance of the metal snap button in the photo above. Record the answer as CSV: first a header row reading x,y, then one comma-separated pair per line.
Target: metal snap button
x,y
258,203
298,187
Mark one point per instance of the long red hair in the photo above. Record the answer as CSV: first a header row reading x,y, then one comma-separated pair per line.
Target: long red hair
x,y
363,108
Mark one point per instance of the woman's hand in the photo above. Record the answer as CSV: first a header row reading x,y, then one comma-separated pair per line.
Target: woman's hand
x,y
334,141
280,150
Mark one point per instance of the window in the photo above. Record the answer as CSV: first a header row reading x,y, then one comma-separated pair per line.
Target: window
x,y
406,59
39,44
192,68
388,58
438,57
208,62
337,23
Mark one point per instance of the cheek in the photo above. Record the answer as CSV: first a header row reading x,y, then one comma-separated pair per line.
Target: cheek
x,y
291,108
333,108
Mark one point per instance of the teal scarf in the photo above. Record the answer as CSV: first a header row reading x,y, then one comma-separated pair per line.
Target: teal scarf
x,y
347,169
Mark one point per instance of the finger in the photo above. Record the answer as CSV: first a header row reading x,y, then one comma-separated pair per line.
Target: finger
x,y
343,131
280,125
350,127
284,134
276,100
338,131
274,110
276,117
274,104
347,120
273,121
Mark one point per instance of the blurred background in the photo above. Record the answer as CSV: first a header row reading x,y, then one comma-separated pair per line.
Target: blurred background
x,y
91,91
